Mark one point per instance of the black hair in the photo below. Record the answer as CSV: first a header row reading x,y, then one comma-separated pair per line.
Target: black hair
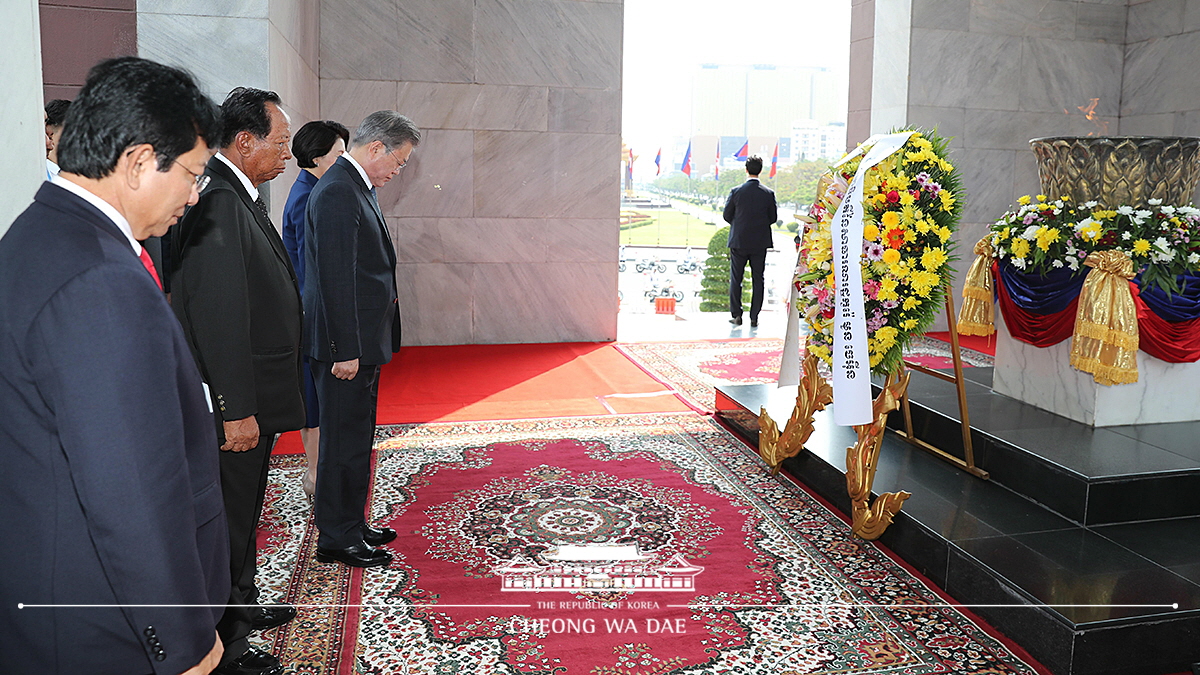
x,y
245,109
129,101
316,139
754,165
56,112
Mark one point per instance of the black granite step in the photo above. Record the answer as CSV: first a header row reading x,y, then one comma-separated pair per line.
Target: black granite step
x,y
1061,582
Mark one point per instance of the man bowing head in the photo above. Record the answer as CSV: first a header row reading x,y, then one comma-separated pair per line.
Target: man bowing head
x,y
109,491
235,293
351,328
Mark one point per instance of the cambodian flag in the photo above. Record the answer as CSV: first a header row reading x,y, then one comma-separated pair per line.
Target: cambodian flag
x,y
774,161
686,167
741,155
658,162
717,168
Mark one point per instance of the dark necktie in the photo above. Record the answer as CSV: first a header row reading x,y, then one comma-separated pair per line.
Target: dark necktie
x,y
262,208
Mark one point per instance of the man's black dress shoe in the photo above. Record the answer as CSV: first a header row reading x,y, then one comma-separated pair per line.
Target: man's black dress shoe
x,y
358,555
737,321
754,323
263,617
377,536
251,662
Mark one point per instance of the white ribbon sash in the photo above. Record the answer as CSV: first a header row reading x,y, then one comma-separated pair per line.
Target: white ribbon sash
x,y
851,360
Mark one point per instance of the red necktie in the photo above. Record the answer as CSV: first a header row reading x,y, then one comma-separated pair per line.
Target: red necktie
x,y
149,265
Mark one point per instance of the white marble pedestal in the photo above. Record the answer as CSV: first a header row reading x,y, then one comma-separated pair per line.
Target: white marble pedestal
x,y
1164,392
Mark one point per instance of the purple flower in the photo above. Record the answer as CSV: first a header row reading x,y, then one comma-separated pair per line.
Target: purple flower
x,y
922,178
873,250
890,304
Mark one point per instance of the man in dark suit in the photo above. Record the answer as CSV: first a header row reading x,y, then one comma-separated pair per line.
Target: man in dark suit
x,y
234,291
109,487
751,212
351,328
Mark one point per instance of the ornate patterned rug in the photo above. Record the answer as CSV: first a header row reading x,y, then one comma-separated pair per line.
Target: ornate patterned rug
x,y
695,369
622,545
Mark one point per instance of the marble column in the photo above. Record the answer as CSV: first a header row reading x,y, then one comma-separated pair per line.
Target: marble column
x,y
505,220
21,108
267,44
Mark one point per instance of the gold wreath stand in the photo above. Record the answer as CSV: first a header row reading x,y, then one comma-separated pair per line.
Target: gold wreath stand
x,y
868,520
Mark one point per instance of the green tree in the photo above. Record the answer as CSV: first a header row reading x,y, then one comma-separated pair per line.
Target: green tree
x,y
714,285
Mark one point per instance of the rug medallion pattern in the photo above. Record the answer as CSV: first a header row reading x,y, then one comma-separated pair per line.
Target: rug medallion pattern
x,y
780,585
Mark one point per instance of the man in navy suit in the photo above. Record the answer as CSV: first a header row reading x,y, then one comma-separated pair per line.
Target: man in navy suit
x,y
351,328
109,486
751,212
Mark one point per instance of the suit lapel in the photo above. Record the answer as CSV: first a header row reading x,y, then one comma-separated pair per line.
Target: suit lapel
x,y
369,196
219,168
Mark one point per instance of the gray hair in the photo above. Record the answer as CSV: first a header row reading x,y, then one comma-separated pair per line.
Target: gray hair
x,y
388,126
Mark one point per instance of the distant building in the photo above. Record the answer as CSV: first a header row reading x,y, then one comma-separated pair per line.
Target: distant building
x,y
763,100
812,140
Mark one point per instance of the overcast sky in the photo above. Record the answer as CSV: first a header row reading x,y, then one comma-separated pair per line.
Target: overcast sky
x,y
666,40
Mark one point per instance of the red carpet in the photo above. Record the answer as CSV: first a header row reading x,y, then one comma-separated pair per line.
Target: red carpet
x,y
742,572
501,382
987,344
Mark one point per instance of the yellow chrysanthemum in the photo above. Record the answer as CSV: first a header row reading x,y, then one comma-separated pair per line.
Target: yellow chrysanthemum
x,y
1046,236
906,199
821,351
908,324
944,234
891,256
923,283
933,259
1141,247
911,302
887,290
890,219
1041,198
1020,248
947,200
886,337
870,232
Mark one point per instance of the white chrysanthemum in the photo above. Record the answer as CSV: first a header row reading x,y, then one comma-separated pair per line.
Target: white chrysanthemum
x,y
1168,210
1056,263
1126,236
1083,223
1030,233
1091,204
1193,258
1189,210
1019,263
1153,202
1162,244
1125,210
1143,214
1073,263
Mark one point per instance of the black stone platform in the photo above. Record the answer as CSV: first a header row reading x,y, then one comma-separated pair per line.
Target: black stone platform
x,y
1075,522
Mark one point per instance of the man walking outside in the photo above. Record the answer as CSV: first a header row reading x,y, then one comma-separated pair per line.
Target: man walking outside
x,y
751,212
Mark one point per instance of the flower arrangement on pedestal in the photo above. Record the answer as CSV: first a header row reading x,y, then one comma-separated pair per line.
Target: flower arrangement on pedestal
x,y
1041,236
911,208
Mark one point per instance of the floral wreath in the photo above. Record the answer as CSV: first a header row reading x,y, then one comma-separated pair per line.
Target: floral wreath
x,y
1040,236
911,209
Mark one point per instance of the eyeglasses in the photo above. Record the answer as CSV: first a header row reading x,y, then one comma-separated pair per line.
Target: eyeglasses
x,y
201,179
399,164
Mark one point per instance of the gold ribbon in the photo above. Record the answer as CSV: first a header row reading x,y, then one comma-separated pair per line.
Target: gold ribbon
x,y
975,316
1106,330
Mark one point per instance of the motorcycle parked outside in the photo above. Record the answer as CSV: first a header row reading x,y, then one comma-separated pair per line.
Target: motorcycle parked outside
x,y
664,291
651,264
